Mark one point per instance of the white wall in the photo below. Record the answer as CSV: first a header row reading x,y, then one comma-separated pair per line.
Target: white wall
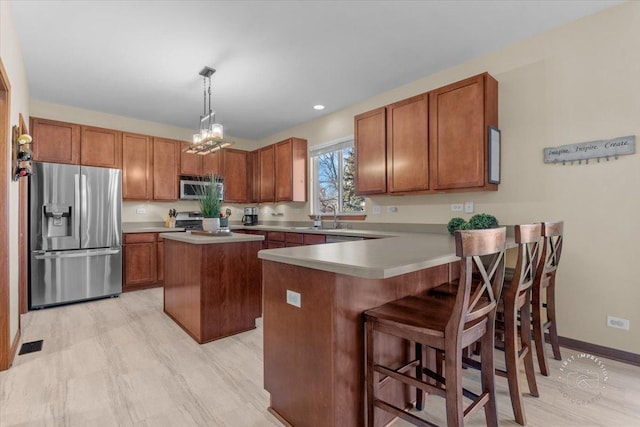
x,y
575,84
13,63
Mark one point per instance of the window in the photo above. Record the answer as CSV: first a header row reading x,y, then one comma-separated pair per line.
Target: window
x,y
333,178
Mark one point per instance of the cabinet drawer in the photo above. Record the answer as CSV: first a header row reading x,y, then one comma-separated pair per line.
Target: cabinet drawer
x,y
275,235
139,237
294,238
314,239
270,244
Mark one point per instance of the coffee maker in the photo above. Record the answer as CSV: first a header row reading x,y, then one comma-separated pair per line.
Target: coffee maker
x,y
250,216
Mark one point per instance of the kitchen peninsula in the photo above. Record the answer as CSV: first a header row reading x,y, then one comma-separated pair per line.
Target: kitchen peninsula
x,y
314,297
212,284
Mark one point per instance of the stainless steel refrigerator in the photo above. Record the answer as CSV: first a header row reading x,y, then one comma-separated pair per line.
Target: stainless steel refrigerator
x,y
75,233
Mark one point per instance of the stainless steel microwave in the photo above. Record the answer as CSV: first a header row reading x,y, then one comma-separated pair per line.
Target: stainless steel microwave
x,y
191,188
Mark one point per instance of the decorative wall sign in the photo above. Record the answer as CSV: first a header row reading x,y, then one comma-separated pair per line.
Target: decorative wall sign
x,y
583,151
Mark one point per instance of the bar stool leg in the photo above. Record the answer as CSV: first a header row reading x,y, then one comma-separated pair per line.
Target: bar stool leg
x,y
525,337
419,392
538,332
511,360
551,316
453,375
488,373
370,374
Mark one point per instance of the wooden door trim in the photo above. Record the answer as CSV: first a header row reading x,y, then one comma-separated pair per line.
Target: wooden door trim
x,y
6,343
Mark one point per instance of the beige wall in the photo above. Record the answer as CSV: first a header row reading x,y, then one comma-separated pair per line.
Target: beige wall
x,y
574,84
12,60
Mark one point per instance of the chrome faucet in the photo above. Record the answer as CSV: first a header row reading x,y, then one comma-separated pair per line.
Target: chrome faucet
x,y
334,208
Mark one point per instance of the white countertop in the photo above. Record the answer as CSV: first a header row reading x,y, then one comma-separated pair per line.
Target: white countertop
x,y
198,239
144,228
376,234
373,259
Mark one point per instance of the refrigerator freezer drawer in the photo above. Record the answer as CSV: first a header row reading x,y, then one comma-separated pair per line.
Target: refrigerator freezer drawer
x,y
60,277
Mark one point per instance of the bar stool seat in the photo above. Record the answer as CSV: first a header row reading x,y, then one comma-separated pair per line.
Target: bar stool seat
x,y
446,324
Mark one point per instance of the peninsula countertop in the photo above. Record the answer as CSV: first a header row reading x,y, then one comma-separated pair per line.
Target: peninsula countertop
x,y
373,259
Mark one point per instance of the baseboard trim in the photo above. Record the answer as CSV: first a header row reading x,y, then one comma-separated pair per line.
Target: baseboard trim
x,y
599,350
14,348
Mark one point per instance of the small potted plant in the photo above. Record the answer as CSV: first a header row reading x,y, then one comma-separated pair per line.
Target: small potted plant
x,y
210,203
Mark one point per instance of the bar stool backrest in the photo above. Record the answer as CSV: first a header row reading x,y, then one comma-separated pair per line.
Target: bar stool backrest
x,y
551,250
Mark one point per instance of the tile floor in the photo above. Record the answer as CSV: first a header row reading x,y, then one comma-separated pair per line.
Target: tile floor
x,y
122,362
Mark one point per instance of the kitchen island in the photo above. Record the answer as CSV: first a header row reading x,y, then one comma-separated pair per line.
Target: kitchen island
x,y
212,284
314,297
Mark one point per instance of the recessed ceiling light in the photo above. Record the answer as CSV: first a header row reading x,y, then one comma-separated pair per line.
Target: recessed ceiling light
x,y
318,107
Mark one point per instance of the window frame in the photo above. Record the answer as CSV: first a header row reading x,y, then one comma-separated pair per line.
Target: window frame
x,y
316,151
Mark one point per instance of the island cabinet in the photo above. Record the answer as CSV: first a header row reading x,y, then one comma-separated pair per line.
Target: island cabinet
x,y
55,141
370,152
166,162
317,379
137,178
100,147
459,115
212,284
291,170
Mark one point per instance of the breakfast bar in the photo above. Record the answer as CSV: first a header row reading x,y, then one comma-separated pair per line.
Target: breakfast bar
x,y
314,297
212,283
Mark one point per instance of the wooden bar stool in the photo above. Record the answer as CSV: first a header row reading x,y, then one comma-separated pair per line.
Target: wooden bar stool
x,y
545,285
516,304
513,317
447,324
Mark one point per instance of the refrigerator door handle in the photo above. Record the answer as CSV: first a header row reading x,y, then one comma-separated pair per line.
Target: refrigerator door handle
x,y
76,215
83,209
78,254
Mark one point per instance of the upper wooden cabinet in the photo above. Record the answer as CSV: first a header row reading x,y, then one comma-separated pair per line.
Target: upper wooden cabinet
x,y
253,166
370,152
100,147
408,145
137,155
211,163
267,174
234,166
459,115
166,159
291,170
54,141
429,143
190,163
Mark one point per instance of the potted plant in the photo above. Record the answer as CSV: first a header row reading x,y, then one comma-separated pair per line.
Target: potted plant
x,y
210,203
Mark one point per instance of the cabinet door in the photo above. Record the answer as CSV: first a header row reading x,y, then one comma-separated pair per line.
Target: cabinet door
x,y
458,123
190,163
165,169
211,163
57,142
254,190
370,151
100,147
160,260
137,152
140,264
235,175
408,145
267,175
291,170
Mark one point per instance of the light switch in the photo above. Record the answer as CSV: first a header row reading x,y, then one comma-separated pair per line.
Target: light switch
x,y
294,298
468,207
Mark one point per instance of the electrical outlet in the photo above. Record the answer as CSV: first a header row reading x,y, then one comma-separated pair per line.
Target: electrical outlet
x,y
141,211
391,209
376,210
617,322
294,298
468,207
456,207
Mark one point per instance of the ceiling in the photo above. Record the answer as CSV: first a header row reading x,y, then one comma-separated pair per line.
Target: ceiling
x,y
275,59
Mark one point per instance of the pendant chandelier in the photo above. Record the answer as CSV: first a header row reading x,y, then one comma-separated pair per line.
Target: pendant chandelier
x,y
210,137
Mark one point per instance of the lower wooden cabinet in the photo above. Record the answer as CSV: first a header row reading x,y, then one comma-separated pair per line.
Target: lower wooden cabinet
x,y
143,261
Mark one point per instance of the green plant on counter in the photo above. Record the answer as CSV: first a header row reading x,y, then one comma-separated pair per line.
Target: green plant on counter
x,y
456,223
477,222
482,221
210,202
